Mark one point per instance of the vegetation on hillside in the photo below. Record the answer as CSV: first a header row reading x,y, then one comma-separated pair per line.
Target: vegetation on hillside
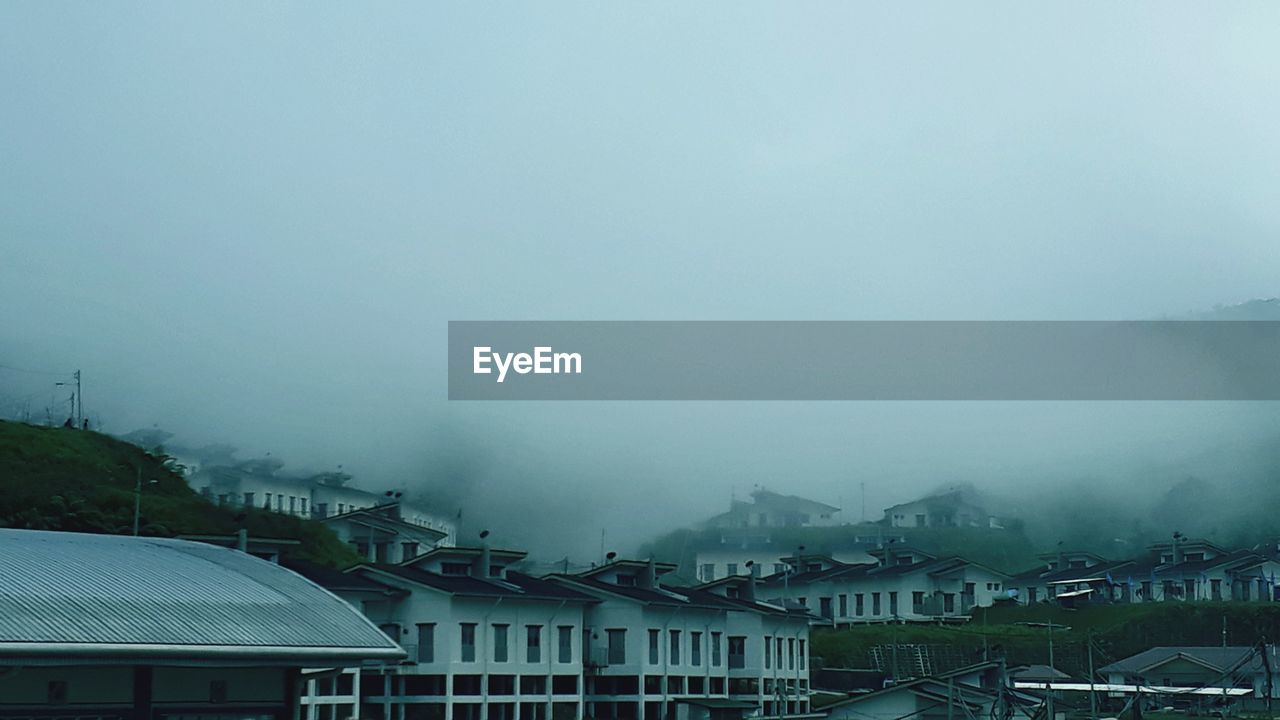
x,y
54,478
1117,631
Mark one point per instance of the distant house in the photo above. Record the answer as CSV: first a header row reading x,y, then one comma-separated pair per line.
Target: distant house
x,y
955,507
1065,576
260,483
769,509
902,584
1199,667
937,697
754,551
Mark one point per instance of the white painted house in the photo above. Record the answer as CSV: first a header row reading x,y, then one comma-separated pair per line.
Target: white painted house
x,y
904,584
484,642
653,650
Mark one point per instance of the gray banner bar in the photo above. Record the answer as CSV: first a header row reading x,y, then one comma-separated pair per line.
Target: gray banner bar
x,y
856,360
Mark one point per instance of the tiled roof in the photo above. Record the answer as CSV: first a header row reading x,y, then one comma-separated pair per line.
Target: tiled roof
x,y
514,584
78,595
1219,658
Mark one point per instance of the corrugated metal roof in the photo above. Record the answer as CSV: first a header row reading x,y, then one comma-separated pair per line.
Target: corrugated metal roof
x,y
68,593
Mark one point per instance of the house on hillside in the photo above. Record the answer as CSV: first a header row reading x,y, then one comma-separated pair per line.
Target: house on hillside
x,y
902,584
259,483
738,552
1185,667
955,695
1196,569
954,507
769,509
1073,576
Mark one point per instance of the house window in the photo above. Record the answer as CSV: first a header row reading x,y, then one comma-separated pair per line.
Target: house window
x,y
617,646
858,605
426,642
768,653
564,644
920,520
675,647
455,568
695,649
533,644
800,651
500,643
917,602
708,572
468,642
737,652
715,649
779,568
731,569
844,605
893,603
824,607
408,550
791,653
948,602
875,604
654,636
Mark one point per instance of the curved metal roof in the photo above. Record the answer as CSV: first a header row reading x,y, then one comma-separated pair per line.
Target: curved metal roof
x,y
78,595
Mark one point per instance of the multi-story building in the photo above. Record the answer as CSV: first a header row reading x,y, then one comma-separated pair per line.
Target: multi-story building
x,y
485,642
653,651
769,509
904,584
261,484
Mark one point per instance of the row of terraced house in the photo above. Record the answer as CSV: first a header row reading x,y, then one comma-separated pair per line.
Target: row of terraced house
x,y
488,642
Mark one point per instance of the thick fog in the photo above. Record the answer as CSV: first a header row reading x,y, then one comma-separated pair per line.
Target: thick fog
x,y
250,224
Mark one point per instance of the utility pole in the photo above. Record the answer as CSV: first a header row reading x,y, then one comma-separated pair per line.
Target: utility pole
x,y
863,517
1093,699
1049,695
80,401
137,501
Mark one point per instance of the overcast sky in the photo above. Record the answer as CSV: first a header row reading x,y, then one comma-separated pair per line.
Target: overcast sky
x,y
251,222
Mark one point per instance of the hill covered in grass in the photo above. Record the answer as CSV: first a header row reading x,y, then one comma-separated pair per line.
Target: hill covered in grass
x,y
1020,633
55,478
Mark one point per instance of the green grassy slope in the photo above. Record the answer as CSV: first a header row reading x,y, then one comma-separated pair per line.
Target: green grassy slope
x,y
76,480
1118,631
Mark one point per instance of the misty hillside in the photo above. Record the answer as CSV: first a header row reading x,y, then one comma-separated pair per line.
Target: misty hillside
x,y
76,480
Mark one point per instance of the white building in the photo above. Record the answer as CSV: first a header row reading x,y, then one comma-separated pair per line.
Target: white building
x,y
955,507
769,509
484,642
259,484
903,584
660,653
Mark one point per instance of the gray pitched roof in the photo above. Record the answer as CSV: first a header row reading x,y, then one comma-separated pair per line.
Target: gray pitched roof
x,y
1219,658
73,595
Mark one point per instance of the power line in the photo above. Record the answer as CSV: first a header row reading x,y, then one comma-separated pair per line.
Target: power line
x,y
34,372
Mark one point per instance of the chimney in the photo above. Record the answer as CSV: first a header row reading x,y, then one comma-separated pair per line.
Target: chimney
x,y
485,561
1177,549
888,554
242,540
749,590
651,574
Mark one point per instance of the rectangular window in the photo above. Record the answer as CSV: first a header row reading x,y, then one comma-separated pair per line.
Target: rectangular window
x,y
731,569
801,653
426,642
737,652
768,653
675,647
893,603
791,653
858,605
875,604
948,602
468,642
500,643
844,606
715,649
917,602
617,646
708,572
564,641
654,638
533,644
695,649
